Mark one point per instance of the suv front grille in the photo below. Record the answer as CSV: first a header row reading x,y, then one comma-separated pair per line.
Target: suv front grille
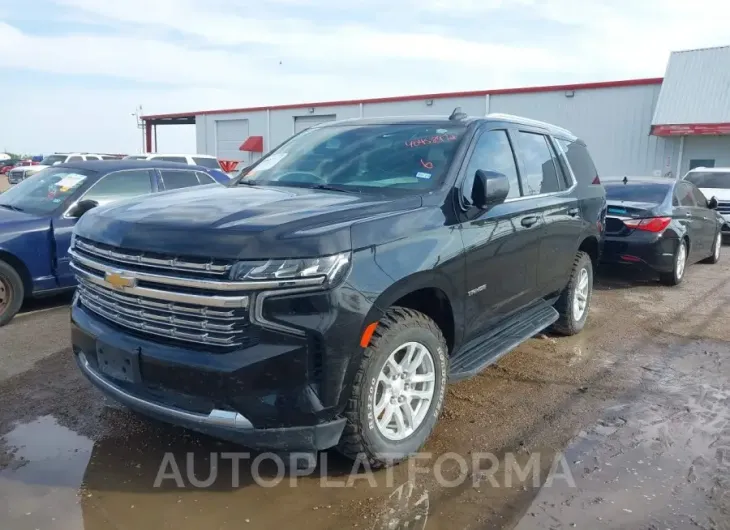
x,y
195,303
723,207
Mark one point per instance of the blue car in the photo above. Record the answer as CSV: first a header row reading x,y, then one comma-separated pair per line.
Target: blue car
x,y
38,215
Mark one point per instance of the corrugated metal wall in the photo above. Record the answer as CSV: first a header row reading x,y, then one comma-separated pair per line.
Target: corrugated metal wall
x,y
715,148
615,122
695,88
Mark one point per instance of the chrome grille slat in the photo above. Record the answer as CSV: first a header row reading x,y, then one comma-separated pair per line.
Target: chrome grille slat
x,y
174,263
169,332
169,307
145,315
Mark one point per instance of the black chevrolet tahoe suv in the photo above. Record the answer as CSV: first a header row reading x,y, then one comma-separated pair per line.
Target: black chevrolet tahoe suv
x,y
327,295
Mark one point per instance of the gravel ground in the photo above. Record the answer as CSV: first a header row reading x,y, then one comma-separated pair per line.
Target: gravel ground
x,y
625,426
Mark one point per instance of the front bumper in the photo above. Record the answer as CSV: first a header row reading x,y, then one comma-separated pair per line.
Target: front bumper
x,y
263,397
642,250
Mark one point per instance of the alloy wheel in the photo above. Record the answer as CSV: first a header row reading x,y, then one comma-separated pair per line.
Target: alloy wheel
x,y
681,259
580,298
405,390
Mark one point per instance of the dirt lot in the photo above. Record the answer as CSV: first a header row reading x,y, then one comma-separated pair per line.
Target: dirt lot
x,y
626,426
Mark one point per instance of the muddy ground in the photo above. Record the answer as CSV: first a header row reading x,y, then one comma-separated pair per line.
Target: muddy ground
x,y
625,426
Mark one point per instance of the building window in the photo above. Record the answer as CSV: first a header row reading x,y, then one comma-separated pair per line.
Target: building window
x,y
701,162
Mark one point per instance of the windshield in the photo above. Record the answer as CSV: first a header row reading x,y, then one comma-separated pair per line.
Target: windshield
x,y
357,157
45,191
52,159
135,157
653,193
210,163
709,179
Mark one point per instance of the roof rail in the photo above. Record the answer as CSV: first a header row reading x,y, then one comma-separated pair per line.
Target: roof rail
x,y
529,121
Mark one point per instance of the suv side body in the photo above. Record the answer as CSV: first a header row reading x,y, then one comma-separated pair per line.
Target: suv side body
x,y
467,282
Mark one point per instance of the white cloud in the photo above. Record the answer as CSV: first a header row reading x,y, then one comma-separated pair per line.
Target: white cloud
x,y
181,55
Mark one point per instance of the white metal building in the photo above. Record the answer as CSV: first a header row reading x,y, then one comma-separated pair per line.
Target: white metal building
x,y
657,126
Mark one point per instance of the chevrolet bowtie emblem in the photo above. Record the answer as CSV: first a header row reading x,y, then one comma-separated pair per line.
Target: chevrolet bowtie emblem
x,y
119,281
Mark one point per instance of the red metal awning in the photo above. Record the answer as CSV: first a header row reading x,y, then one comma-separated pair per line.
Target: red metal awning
x,y
691,129
253,144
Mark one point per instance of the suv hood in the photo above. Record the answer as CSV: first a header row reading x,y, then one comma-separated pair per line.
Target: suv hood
x,y
238,222
722,194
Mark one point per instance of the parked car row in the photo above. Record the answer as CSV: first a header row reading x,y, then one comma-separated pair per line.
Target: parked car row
x,y
327,294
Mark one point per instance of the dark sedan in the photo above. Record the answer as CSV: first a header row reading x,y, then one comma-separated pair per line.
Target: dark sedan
x,y
660,224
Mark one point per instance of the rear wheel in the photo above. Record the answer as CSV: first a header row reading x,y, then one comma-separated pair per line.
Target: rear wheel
x,y
680,264
11,293
399,389
716,248
575,300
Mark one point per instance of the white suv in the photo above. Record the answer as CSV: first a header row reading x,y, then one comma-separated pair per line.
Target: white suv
x,y
714,182
23,172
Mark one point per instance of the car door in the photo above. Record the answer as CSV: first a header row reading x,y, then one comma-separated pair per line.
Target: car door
x,y
501,243
709,217
690,217
112,187
548,186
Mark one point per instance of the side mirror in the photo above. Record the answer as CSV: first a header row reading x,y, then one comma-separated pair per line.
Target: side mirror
x,y
490,188
712,203
81,207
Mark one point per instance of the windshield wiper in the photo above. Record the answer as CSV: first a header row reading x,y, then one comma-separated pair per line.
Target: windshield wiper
x,y
333,187
11,207
247,183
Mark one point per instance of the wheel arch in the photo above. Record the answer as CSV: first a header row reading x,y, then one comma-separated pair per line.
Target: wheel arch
x,y
20,268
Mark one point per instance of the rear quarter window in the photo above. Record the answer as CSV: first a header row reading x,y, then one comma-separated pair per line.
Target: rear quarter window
x,y
580,161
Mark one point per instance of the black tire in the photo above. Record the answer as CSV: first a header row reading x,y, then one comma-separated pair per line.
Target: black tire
x,y
567,323
361,438
12,293
674,277
716,250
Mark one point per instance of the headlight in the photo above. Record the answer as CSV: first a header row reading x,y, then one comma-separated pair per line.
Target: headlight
x,y
328,268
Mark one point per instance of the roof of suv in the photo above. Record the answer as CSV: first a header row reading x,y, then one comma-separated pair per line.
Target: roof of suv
x,y
444,120
116,165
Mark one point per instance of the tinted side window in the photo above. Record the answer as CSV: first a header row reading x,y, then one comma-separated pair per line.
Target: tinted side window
x,y
580,161
120,185
74,159
175,179
204,178
181,159
492,152
540,173
210,163
92,157
683,195
699,197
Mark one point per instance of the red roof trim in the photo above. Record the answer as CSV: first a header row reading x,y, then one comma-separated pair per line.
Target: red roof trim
x,y
691,129
440,95
253,144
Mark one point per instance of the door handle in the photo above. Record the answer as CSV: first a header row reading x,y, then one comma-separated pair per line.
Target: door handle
x,y
573,212
527,222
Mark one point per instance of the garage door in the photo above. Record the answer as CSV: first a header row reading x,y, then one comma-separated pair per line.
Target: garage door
x,y
229,135
305,122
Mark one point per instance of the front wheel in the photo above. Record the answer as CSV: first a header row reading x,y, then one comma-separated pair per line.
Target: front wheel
x,y
399,389
680,264
11,293
716,248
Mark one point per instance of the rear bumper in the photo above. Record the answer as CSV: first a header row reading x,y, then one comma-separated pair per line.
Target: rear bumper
x,y
655,253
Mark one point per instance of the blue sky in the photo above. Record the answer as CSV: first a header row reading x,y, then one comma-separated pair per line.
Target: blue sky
x,y
73,71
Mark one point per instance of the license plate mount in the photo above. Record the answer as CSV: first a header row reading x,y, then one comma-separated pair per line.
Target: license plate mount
x,y
117,363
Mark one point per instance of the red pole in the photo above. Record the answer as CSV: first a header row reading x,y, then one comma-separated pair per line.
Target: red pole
x,y
148,136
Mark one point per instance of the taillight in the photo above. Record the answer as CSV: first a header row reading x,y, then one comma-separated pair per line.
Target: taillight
x,y
596,180
652,224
